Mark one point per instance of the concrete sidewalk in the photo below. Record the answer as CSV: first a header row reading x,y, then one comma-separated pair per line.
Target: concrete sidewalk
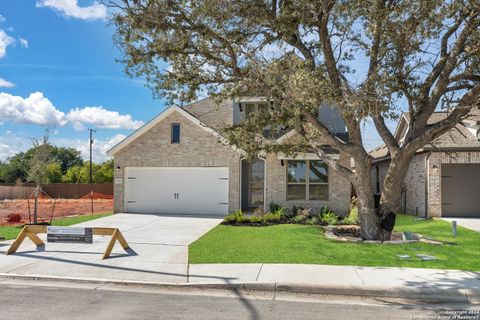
x,y
413,283
426,285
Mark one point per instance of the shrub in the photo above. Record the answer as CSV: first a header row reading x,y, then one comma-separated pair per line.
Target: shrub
x,y
244,220
296,209
300,215
303,213
258,212
255,219
274,207
233,217
313,221
352,217
14,218
328,217
274,217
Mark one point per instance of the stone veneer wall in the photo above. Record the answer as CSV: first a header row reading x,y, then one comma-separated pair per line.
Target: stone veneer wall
x,y
434,180
276,185
197,148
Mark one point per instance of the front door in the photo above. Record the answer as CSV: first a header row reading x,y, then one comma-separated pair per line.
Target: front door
x,y
256,183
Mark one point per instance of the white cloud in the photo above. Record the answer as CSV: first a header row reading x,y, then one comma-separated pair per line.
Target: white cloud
x,y
36,109
6,84
10,144
5,41
23,42
2,18
70,8
99,148
101,118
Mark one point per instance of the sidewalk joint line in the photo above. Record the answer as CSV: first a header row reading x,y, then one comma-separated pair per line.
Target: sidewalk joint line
x,y
358,275
259,270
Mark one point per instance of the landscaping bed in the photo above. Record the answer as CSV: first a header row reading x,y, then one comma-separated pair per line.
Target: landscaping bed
x,y
307,244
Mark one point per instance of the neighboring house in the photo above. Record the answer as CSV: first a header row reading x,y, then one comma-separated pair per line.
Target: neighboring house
x,y
443,179
179,163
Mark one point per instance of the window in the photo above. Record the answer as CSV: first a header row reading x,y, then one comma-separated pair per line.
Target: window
x,y
251,108
307,180
175,133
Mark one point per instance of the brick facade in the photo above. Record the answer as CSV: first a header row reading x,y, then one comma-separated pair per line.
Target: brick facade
x,y
198,148
276,184
435,161
426,168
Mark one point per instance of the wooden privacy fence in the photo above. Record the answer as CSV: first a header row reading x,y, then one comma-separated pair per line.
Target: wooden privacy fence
x,y
55,190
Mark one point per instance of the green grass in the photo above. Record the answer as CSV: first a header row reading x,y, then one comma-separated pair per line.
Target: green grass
x,y
290,243
9,232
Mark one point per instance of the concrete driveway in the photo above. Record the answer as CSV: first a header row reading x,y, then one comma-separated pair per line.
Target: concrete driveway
x,y
159,251
470,223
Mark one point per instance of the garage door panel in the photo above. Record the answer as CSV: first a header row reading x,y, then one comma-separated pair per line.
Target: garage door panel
x,y
460,190
186,190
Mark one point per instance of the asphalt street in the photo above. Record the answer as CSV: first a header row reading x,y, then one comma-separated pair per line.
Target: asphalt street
x,y
51,300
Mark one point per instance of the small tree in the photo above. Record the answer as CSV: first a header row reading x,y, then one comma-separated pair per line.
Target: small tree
x,y
370,59
39,171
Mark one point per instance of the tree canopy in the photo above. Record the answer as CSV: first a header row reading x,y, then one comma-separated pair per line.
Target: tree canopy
x,y
372,59
59,164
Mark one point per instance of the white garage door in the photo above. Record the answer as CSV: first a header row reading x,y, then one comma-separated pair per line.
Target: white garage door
x,y
170,190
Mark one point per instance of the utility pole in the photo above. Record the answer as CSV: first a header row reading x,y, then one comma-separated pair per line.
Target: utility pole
x,y
91,167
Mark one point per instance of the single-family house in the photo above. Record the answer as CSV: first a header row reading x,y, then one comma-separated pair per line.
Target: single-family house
x,y
180,163
443,179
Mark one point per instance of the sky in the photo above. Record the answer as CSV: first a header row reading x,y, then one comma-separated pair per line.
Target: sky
x,y
58,69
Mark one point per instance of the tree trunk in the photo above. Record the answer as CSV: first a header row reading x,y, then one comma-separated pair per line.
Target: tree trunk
x,y
370,222
377,223
392,191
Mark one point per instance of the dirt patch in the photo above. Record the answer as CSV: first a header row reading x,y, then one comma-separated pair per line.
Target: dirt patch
x,y
97,195
63,208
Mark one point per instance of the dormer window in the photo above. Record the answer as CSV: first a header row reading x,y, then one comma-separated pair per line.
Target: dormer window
x,y
175,133
251,108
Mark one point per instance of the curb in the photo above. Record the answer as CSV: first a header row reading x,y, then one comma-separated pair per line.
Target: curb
x,y
428,295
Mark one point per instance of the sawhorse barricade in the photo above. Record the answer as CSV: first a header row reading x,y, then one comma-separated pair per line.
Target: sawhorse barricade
x,y
31,232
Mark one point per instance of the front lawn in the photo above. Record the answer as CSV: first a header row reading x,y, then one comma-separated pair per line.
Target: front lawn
x,y
288,243
9,232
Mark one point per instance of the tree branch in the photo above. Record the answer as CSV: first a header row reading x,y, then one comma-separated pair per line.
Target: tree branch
x,y
429,133
386,135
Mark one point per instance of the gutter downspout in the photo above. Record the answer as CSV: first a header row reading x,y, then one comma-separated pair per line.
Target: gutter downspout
x,y
264,181
427,175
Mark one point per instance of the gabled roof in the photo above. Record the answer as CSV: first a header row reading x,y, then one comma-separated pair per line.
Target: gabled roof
x,y
459,137
163,115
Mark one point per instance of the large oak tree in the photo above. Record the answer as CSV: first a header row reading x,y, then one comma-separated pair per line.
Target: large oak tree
x,y
371,59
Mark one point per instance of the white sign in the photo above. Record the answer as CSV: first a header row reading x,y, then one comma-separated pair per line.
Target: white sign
x,y
118,181
69,235
66,230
